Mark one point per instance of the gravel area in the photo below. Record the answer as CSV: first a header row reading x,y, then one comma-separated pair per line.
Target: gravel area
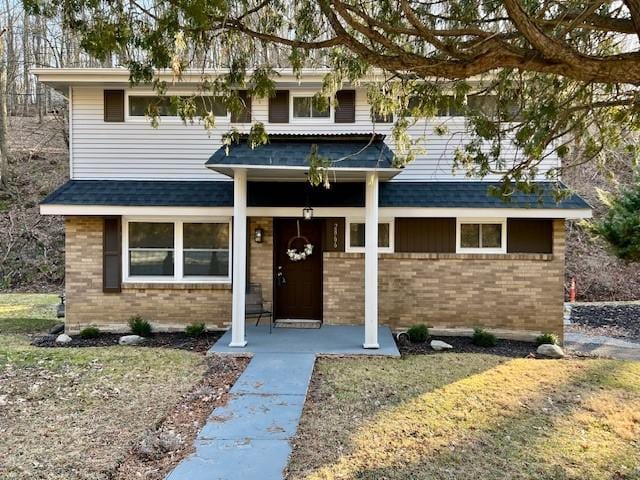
x,y
506,348
178,340
617,321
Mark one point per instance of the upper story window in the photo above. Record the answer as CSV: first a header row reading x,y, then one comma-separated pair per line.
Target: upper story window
x,y
141,105
160,250
486,236
304,107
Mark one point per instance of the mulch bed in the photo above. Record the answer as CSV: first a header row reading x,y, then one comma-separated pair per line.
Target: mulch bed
x,y
164,445
618,321
178,340
506,348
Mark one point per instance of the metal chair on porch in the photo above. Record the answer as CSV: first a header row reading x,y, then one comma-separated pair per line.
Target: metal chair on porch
x,y
256,306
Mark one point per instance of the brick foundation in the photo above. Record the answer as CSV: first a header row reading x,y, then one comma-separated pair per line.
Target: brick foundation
x,y
522,292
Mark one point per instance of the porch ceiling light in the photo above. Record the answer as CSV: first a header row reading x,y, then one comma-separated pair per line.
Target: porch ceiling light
x,y
307,213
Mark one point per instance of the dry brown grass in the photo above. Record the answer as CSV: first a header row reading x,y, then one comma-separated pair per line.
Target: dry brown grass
x,y
463,416
75,413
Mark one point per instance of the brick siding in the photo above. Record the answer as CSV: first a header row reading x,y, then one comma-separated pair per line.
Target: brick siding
x,y
167,307
522,292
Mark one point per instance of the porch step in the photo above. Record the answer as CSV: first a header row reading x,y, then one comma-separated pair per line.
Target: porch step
x,y
297,323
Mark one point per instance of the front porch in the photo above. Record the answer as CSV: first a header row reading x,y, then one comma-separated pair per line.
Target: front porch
x,y
342,340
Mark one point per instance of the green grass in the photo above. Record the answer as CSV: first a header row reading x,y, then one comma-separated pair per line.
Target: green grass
x,y
461,415
27,312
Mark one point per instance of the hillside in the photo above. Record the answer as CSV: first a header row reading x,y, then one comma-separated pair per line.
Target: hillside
x,y
32,246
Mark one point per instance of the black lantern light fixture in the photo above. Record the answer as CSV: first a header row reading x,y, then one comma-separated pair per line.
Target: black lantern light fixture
x,y
258,235
307,213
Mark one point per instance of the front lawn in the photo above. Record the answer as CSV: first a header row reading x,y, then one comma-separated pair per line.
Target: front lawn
x,y
466,416
27,312
114,413
74,413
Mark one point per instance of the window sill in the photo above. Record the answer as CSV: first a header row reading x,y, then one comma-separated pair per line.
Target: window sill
x,y
543,257
176,285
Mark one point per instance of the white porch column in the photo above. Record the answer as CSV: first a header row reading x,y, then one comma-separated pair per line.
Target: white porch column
x,y
371,262
239,257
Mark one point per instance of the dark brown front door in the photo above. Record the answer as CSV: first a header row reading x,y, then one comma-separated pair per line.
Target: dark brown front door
x,y
299,296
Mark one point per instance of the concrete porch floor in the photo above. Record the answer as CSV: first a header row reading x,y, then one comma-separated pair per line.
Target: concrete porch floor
x,y
326,340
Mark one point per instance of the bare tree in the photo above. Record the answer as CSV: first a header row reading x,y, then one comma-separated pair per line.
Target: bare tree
x,y
4,156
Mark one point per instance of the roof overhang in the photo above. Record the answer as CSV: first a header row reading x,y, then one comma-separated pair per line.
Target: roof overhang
x,y
269,173
62,78
319,212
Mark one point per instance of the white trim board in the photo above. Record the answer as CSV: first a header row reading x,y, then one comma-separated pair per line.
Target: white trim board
x,y
384,212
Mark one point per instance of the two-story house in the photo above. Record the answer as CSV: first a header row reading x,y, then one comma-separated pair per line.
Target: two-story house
x,y
169,224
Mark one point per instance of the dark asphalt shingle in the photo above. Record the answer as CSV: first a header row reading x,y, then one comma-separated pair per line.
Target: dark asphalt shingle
x,y
353,151
464,194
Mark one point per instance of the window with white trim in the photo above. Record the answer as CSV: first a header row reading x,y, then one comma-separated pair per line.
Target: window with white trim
x,y
303,107
355,236
482,236
178,250
140,105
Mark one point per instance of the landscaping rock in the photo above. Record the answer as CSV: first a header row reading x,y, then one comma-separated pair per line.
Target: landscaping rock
x,y
63,338
56,329
131,340
439,345
551,351
403,338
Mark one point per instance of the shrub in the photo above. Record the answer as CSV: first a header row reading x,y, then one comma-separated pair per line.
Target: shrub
x,y
418,333
90,332
139,326
195,329
620,226
482,338
547,338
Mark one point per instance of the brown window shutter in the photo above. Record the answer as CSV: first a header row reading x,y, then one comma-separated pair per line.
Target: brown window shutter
x,y
529,235
346,106
425,235
279,107
245,115
114,105
334,235
111,255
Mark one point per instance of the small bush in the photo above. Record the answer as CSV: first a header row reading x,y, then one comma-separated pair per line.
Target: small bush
x,y
195,330
139,326
482,338
547,338
418,333
90,332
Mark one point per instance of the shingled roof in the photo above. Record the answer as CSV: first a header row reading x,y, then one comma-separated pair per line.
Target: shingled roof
x,y
465,194
366,151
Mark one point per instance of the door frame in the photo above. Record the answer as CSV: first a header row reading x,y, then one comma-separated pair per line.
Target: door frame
x,y
274,272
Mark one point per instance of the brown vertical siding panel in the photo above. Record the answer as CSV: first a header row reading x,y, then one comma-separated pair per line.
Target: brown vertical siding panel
x,y
529,235
334,235
114,105
245,115
279,107
425,235
346,107
111,255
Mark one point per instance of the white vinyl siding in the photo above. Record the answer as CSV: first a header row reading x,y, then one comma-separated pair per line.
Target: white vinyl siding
x,y
174,151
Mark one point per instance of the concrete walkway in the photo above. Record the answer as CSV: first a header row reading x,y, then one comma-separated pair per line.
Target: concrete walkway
x,y
249,437
602,345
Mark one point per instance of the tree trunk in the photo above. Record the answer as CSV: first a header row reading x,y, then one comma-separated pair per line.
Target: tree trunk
x,y
26,55
4,157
